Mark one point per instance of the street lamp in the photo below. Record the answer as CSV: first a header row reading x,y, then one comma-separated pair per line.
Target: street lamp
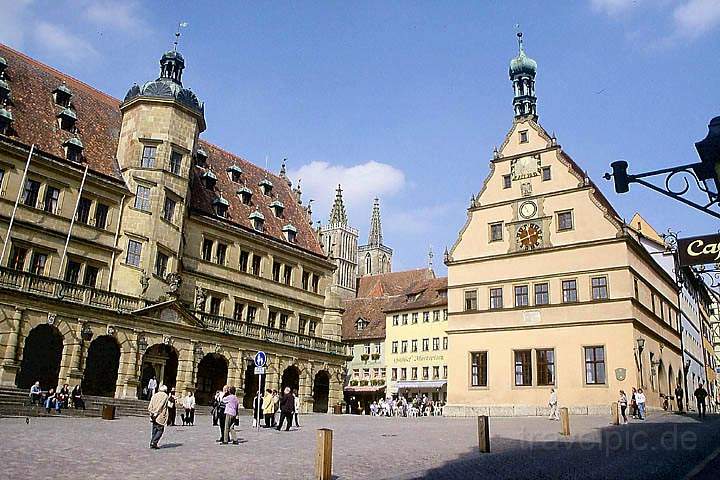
x,y
640,348
706,174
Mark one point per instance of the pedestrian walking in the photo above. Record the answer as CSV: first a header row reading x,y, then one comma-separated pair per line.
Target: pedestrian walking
x,y
158,415
640,399
553,405
700,396
287,407
679,394
297,408
633,403
172,409
267,407
623,403
231,410
275,406
189,406
257,408
220,411
151,386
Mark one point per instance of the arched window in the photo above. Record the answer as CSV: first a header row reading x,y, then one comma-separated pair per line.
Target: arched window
x,y
368,264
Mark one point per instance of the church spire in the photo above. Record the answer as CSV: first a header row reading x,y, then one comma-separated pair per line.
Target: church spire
x,y
375,236
338,216
522,74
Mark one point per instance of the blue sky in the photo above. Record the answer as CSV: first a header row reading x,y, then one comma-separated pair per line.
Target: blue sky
x,y
405,100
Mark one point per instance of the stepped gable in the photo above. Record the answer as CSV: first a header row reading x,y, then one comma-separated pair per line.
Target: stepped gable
x,y
369,309
35,113
422,294
393,283
218,162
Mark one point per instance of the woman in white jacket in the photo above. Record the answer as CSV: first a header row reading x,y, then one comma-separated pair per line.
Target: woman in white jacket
x,y
297,408
188,404
640,399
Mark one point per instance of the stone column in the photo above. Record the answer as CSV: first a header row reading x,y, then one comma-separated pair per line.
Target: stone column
x,y
10,365
72,361
306,384
185,379
273,373
128,371
335,395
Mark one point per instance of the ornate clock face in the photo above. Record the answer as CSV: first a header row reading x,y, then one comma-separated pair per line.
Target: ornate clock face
x,y
525,167
528,209
529,236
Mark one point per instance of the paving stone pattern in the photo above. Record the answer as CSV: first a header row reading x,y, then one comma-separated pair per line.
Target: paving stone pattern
x,y
666,446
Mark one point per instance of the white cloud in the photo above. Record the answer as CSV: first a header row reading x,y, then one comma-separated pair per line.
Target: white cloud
x,y
13,22
58,41
120,16
696,17
614,7
360,183
418,220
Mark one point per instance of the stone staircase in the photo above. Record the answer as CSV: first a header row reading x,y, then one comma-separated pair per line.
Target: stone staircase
x,y
16,402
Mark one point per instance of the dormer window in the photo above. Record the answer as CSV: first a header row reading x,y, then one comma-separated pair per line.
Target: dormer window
x,y
62,95
74,149
221,206
234,173
258,220
245,195
266,186
290,232
67,119
277,207
361,324
209,179
201,157
6,119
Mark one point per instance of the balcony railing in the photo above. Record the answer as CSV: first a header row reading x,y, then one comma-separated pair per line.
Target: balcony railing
x,y
269,334
66,291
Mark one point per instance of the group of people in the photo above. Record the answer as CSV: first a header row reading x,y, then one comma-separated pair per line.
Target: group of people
x,y
268,406
225,411
57,399
401,407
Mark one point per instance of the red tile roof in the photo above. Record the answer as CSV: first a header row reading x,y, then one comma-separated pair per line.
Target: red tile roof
x,y
370,309
98,124
422,294
393,283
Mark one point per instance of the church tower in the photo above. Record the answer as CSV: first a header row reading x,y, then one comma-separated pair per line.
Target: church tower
x,y
522,74
340,242
374,258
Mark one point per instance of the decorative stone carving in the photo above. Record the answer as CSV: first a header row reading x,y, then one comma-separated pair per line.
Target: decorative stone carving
x,y
218,348
526,189
169,315
200,297
111,330
144,282
51,317
167,340
174,281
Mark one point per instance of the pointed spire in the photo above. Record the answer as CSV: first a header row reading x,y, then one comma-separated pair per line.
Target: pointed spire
x,y
338,216
283,173
375,236
430,258
298,192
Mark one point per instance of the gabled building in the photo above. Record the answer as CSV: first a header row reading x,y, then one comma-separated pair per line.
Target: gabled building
x,y
132,248
548,288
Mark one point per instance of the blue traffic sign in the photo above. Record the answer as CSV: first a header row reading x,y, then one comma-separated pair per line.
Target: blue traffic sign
x,y
260,359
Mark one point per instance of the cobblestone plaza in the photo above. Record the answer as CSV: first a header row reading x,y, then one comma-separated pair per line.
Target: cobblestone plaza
x,y
666,446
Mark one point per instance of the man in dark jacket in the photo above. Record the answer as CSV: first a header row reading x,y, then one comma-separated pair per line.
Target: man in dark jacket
x,y
679,394
287,407
700,395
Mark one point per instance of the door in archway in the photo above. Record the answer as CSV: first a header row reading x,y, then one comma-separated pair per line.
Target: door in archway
x,y
41,357
290,378
321,392
251,385
159,361
101,367
211,376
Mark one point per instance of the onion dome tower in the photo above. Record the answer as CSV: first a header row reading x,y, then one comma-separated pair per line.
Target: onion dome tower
x,y
522,74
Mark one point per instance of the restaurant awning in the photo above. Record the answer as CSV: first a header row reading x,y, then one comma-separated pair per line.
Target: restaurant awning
x,y
365,389
419,385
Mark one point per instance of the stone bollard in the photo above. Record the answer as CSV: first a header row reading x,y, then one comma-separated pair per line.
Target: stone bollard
x,y
483,434
615,414
565,421
323,456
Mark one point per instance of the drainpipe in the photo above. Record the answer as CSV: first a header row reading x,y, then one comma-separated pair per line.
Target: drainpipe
x,y
72,222
115,243
17,201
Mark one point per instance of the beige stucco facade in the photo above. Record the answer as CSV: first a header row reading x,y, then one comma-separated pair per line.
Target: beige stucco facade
x,y
542,270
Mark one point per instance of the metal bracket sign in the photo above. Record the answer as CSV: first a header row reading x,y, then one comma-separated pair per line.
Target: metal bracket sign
x,y
698,250
260,363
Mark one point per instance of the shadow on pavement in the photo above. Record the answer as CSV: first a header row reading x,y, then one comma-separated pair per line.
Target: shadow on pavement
x,y
653,450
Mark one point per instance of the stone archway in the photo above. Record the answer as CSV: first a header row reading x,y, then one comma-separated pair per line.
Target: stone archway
x,y
662,377
212,373
159,361
101,367
290,378
41,358
321,392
